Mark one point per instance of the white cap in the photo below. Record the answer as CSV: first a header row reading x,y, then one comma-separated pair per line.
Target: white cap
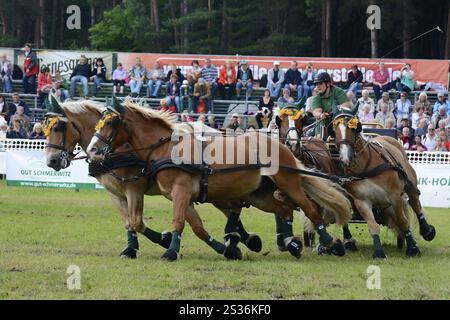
x,y
276,63
235,115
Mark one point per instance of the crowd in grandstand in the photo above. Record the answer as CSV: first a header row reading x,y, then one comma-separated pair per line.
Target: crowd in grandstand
x,y
421,124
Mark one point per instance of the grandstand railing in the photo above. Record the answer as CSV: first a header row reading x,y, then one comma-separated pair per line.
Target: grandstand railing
x,y
414,157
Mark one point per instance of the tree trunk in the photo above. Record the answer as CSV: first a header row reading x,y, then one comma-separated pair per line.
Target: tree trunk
x,y
154,14
406,37
210,6
328,29
324,27
176,33
184,12
223,38
374,39
62,26
52,40
92,15
447,41
3,21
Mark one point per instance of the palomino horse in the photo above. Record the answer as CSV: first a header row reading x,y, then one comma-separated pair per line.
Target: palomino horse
x,y
311,148
150,134
74,122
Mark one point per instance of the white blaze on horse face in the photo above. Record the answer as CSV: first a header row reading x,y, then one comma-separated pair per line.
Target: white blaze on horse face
x,y
344,150
92,153
293,136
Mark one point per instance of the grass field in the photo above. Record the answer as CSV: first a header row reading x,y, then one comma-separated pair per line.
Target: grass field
x,y
43,231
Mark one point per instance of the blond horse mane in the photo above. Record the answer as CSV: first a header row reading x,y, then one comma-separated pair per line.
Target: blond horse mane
x,y
167,118
77,107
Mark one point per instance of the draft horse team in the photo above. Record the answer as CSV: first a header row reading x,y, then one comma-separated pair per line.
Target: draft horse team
x,y
135,151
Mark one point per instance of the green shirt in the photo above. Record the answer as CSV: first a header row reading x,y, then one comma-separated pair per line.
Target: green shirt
x,y
337,97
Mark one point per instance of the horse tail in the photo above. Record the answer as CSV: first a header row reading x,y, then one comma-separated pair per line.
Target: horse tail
x,y
328,195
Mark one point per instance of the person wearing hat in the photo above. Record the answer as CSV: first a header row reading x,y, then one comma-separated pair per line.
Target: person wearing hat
x,y
441,101
354,81
244,80
322,104
202,95
6,70
275,79
385,99
308,79
235,122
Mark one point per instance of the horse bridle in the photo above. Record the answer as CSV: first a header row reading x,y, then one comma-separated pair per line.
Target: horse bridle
x,y
65,153
107,150
346,141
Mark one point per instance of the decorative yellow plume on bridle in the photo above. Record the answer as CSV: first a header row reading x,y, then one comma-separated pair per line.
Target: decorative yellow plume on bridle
x,y
294,114
47,129
103,121
352,123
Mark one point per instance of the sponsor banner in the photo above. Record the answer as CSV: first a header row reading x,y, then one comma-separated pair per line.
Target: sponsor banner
x,y
434,184
65,61
425,70
29,169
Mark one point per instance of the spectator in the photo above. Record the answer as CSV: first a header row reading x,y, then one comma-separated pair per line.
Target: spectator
x,y
365,115
227,78
30,68
235,122
22,117
192,80
177,72
441,101
3,130
210,74
196,69
119,75
137,75
4,109
37,132
445,140
16,131
418,146
354,81
390,123
350,96
294,82
439,145
275,79
244,80
185,95
155,77
380,81
164,106
212,122
365,99
406,83
385,98
424,103
439,116
6,70
185,117
81,73
429,140
173,92
99,75
60,87
406,138
416,116
309,101
403,107
442,125
405,124
308,78
383,115
265,108
45,85
201,118
16,102
202,96
286,97
422,128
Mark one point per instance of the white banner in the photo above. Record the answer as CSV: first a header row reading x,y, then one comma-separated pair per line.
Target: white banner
x,y
29,169
434,184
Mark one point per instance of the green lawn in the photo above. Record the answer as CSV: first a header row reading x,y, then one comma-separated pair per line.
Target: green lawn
x,y
43,231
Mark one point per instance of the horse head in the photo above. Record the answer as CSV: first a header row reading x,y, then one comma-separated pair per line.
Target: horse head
x,y
346,127
62,136
110,132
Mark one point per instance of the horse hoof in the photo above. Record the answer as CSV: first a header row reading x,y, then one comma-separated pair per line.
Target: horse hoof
x,y
166,239
233,253
322,250
129,253
254,243
295,247
350,245
379,254
280,243
170,255
430,234
337,248
413,252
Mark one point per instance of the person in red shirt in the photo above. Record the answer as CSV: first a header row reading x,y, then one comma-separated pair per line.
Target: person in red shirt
x,y
45,84
227,78
380,81
30,68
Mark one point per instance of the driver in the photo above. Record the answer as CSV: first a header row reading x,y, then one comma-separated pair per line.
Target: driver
x,y
322,104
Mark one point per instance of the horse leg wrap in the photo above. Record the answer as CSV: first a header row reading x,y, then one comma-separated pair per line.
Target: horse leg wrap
x,y
427,231
412,250
324,238
216,245
153,236
176,241
234,224
132,250
378,248
346,232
